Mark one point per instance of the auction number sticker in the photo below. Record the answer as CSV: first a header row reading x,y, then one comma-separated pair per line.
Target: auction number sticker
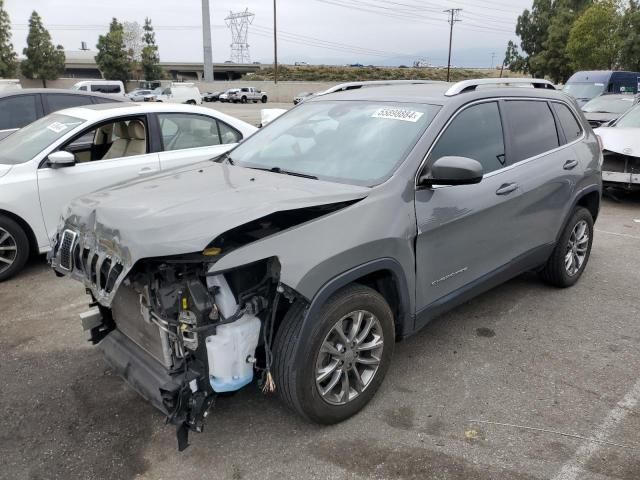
x,y
57,127
397,114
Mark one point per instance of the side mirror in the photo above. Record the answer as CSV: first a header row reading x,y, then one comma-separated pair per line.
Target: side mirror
x,y
453,171
61,159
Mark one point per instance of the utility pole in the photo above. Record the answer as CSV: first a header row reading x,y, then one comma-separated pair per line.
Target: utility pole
x,y
275,43
453,14
206,42
493,59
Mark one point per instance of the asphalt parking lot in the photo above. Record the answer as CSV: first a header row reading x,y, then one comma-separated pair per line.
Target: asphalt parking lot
x,y
524,382
249,112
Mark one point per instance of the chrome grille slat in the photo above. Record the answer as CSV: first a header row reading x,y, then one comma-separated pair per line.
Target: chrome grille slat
x,y
101,271
66,249
98,271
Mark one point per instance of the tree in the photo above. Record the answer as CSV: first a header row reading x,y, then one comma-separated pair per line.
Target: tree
x,y
544,33
43,60
594,41
112,57
132,36
150,57
513,60
532,29
555,58
630,38
8,62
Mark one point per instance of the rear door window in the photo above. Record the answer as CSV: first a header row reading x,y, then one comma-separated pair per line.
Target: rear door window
x,y
183,130
568,122
532,128
18,111
475,133
61,101
105,88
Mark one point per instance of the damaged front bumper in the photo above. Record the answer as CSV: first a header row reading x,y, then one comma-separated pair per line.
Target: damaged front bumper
x,y
622,169
176,333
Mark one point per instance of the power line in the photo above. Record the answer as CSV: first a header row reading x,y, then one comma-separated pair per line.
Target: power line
x,y
238,23
275,43
453,18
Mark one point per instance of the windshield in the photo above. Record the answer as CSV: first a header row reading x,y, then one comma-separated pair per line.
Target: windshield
x,y
609,104
29,141
630,120
352,142
584,91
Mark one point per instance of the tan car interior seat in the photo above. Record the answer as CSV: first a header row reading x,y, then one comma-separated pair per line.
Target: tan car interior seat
x,y
138,139
119,146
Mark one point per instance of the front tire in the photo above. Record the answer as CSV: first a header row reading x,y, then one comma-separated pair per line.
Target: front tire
x,y
346,355
14,248
571,254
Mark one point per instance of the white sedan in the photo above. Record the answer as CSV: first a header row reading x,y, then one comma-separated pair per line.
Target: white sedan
x,y
76,151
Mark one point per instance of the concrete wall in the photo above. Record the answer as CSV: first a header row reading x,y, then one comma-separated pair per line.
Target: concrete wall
x,y
282,92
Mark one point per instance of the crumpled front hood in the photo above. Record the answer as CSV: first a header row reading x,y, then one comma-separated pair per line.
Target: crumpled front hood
x,y
4,169
182,211
625,141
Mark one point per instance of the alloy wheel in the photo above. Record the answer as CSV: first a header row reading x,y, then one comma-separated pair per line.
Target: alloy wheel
x,y
8,250
349,357
577,248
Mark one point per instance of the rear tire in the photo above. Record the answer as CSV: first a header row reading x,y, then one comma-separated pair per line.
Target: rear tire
x,y
571,254
264,99
243,99
14,248
365,355
190,102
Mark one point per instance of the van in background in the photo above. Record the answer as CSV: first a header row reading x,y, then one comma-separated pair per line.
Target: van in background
x,y
108,87
178,92
584,86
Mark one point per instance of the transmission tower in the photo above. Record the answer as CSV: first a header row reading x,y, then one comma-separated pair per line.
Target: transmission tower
x,y
239,24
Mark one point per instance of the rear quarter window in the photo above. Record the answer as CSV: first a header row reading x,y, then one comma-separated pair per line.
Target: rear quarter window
x,y
568,122
532,128
61,101
17,111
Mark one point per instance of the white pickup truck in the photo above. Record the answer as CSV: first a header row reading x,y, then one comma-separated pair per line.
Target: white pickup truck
x,y
248,94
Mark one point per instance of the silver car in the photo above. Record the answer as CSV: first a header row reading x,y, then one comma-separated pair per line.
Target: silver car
x,y
348,223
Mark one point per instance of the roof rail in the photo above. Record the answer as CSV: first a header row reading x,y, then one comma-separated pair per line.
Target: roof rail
x,y
374,83
471,85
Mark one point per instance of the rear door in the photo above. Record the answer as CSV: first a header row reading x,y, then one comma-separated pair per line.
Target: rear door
x,y
467,232
543,163
188,138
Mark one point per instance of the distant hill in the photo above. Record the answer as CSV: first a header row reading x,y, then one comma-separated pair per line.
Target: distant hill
x,y
325,73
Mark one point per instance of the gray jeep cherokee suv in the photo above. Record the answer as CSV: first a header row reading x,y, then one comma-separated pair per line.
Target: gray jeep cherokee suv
x,y
350,222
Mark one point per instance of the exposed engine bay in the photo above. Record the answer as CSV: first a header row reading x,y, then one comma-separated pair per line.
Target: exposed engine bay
x,y
208,332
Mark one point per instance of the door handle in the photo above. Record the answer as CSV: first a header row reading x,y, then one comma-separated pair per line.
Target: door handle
x,y
507,188
570,164
146,170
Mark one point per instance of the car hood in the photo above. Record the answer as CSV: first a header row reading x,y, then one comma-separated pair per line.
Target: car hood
x,y
625,141
182,211
601,117
4,169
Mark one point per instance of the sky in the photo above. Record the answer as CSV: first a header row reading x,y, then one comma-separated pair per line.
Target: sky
x,y
378,32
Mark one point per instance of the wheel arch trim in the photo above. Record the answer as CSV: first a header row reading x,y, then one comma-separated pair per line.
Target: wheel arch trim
x,y
405,318
31,236
576,200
